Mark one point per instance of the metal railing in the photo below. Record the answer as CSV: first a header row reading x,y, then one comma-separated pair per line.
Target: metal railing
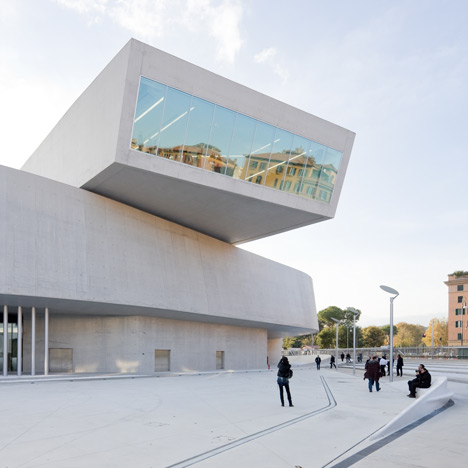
x,y
439,352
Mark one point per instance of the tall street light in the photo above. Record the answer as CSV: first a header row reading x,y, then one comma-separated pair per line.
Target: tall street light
x,y
462,310
391,291
336,326
354,312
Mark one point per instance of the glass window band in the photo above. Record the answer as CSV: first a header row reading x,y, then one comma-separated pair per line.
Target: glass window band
x,y
175,125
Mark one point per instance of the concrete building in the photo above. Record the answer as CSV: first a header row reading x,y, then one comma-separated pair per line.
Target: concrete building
x,y
457,309
118,246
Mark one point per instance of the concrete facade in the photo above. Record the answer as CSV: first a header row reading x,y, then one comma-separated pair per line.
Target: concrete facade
x,y
128,344
116,260
94,153
106,269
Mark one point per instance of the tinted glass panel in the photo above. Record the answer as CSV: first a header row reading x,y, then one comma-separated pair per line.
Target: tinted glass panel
x,y
198,132
241,145
174,124
181,127
316,155
148,115
255,170
220,140
328,174
279,158
294,172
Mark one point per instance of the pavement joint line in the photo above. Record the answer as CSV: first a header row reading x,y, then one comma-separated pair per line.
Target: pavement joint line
x,y
358,456
224,448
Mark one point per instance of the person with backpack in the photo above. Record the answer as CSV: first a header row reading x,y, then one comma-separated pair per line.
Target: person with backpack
x,y
284,374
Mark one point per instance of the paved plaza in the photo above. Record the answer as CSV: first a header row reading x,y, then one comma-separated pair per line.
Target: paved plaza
x,y
227,419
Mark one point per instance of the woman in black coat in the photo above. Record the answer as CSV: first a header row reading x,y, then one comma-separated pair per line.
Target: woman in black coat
x,y
284,374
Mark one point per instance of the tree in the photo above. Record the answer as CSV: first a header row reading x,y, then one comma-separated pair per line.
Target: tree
x,y
409,335
345,336
460,273
326,338
325,316
343,315
297,341
386,329
440,333
373,337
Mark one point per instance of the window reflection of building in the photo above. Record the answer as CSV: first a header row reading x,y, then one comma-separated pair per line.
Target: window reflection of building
x,y
292,172
170,120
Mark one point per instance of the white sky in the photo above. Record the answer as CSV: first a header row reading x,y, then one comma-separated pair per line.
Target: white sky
x,y
395,72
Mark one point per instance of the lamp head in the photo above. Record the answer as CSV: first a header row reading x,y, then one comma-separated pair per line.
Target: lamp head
x,y
389,290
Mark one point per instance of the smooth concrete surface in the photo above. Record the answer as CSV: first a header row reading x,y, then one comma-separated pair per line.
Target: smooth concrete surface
x,y
90,148
128,344
77,252
428,400
227,419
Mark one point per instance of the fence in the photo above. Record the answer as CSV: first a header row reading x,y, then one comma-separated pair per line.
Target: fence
x,y
439,352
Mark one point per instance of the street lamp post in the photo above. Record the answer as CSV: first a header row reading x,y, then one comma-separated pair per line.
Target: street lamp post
x,y
354,312
336,344
391,291
432,340
462,310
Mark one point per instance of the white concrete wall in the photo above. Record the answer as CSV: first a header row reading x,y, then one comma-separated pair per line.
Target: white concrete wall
x,y
275,347
63,243
127,344
84,141
97,129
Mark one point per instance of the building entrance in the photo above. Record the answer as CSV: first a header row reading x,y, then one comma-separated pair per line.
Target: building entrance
x,y
12,346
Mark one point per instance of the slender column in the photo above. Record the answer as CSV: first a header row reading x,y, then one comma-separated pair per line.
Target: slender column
x,y
33,341
391,339
46,341
5,340
19,360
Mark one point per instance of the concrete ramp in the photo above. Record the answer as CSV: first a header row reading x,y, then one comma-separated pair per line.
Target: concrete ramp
x,y
427,401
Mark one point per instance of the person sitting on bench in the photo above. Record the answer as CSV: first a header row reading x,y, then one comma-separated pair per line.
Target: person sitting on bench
x,y
422,380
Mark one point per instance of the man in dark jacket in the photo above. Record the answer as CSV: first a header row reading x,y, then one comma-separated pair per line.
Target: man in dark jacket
x,y
373,373
399,366
318,360
284,374
422,380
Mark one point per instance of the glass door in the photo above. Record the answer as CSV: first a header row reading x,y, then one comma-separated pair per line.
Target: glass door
x,y
12,358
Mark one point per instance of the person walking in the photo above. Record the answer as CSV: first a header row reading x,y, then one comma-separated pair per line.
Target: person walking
x,y
399,366
342,357
284,374
318,360
373,373
383,363
332,362
422,380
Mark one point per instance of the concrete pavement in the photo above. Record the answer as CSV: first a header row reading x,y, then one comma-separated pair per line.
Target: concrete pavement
x,y
227,419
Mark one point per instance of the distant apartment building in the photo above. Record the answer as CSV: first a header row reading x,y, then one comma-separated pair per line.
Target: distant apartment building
x,y
457,308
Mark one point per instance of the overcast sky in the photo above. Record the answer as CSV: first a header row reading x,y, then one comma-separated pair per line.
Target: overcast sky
x,y
395,72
